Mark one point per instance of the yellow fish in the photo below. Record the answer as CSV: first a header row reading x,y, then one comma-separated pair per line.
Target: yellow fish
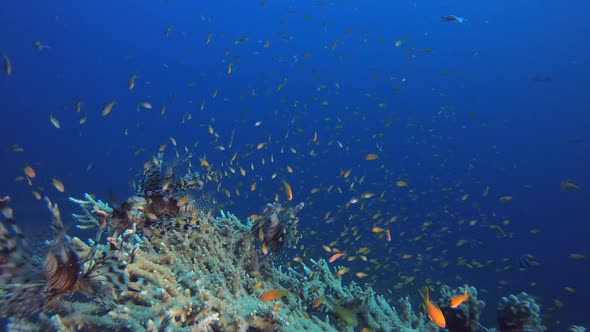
x,y
54,121
372,156
108,108
58,185
288,191
30,172
131,83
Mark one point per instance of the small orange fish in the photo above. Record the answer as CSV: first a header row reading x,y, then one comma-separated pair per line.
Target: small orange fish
x,y
273,294
318,300
342,271
432,310
372,156
336,256
30,172
182,201
58,185
377,229
388,235
204,162
288,191
457,299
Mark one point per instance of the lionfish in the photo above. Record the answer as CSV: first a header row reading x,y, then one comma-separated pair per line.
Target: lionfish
x,y
161,199
277,226
28,286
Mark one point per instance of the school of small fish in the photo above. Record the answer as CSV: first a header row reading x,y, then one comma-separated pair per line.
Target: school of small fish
x,y
374,211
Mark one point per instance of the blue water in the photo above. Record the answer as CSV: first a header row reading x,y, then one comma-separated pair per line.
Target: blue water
x,y
500,100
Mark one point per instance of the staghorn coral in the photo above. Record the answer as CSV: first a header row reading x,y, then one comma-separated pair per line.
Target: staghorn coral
x,y
346,306
209,277
170,265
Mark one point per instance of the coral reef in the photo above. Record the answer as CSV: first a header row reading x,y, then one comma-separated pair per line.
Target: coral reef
x,y
464,318
210,278
29,286
517,313
169,264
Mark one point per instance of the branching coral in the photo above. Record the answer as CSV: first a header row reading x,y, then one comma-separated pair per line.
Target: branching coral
x,y
170,265
345,307
210,277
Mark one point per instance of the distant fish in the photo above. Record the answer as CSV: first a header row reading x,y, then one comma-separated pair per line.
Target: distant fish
x,y
569,185
452,18
330,220
39,46
7,65
527,261
473,244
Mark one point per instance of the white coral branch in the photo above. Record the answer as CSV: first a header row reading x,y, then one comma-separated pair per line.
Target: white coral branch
x,y
206,322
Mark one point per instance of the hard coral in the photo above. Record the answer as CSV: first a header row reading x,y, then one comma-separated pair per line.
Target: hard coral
x,y
464,318
517,313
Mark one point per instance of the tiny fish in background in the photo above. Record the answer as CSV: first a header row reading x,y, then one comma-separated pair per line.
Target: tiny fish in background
x,y
527,261
452,18
7,65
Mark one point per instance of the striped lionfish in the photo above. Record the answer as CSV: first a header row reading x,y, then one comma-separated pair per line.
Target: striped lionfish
x,y
277,226
28,286
161,198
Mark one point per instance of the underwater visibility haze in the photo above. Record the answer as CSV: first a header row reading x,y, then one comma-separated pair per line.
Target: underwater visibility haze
x,y
272,165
